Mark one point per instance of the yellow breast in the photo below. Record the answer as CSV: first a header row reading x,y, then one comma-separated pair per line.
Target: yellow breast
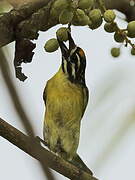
x,y
66,96
64,110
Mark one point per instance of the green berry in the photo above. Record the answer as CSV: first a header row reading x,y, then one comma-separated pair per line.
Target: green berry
x,y
84,21
109,16
131,29
66,16
80,13
80,18
85,4
54,14
133,51
62,34
60,5
129,35
115,52
118,37
95,15
95,25
51,45
110,27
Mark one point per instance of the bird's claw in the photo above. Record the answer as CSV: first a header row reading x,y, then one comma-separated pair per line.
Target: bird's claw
x,y
39,141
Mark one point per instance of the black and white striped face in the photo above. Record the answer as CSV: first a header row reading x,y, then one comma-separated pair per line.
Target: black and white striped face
x,y
74,66
73,61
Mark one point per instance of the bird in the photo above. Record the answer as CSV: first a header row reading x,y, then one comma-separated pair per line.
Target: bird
x,y
66,97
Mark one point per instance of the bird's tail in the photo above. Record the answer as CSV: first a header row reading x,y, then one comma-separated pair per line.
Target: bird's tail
x,y
77,161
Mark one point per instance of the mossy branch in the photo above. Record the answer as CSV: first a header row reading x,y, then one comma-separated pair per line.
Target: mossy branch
x,y
34,149
9,21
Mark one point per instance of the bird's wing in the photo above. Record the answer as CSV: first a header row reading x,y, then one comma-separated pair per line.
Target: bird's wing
x,y
45,94
86,98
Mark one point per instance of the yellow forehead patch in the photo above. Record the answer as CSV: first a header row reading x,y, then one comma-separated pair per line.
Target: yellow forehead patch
x,y
81,53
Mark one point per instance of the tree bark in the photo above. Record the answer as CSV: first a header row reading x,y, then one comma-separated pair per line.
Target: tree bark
x,y
9,21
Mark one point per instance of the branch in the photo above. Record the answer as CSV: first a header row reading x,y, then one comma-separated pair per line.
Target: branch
x,y
34,149
39,10
9,21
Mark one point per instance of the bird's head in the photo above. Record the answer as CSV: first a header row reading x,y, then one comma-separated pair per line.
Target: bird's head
x,y
73,61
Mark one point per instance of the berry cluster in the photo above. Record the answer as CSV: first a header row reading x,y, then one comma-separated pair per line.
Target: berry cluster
x,y
121,36
90,13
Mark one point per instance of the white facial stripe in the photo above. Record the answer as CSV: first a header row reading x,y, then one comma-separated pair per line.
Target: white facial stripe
x,y
65,65
73,70
73,50
78,62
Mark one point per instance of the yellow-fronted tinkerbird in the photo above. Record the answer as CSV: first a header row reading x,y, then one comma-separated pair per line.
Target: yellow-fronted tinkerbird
x,y
66,97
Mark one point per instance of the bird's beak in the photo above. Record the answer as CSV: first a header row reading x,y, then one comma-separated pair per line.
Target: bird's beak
x,y
72,45
64,49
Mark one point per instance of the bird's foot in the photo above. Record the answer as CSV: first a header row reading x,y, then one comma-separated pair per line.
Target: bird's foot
x,y
39,140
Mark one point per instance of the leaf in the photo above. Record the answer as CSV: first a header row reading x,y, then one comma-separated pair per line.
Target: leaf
x,y
23,54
